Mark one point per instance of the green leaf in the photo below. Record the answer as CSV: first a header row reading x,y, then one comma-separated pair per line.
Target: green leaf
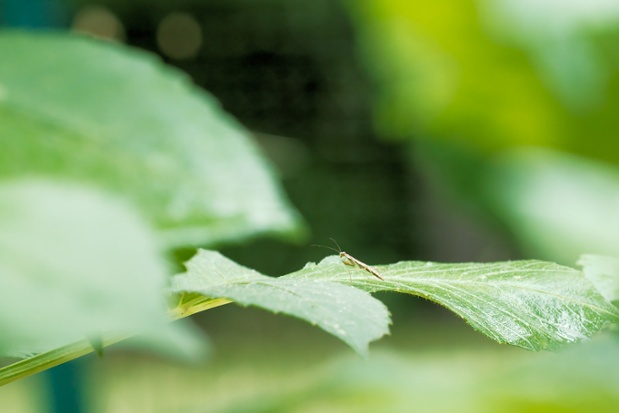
x,y
95,112
348,313
603,272
530,304
75,263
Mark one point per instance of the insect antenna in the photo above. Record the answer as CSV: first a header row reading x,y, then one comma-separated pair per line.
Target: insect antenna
x,y
338,250
324,246
336,244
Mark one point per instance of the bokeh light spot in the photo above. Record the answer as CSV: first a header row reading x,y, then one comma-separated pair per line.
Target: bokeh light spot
x,y
99,22
179,36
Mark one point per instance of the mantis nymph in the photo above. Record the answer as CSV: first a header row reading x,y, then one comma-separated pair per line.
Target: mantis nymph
x,y
351,261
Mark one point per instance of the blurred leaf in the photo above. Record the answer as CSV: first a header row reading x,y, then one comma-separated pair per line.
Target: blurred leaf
x,y
441,76
492,75
530,304
603,272
350,314
95,112
75,263
557,37
181,340
577,379
558,205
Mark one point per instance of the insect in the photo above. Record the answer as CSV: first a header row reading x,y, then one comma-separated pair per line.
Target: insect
x,y
351,261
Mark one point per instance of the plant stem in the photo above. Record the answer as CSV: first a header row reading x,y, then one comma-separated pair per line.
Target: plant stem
x,y
49,359
52,358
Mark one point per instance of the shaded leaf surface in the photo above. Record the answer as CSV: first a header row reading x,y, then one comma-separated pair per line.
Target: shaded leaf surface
x,y
75,263
105,114
531,304
346,312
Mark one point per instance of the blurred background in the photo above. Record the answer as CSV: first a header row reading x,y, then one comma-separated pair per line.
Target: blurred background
x,y
469,130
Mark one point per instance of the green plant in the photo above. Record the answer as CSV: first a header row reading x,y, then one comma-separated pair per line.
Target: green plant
x,y
110,159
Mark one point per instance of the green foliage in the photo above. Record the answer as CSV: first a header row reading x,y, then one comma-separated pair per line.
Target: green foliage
x,y
348,313
481,380
492,75
61,259
559,206
477,84
72,107
437,69
531,304
108,157
603,272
